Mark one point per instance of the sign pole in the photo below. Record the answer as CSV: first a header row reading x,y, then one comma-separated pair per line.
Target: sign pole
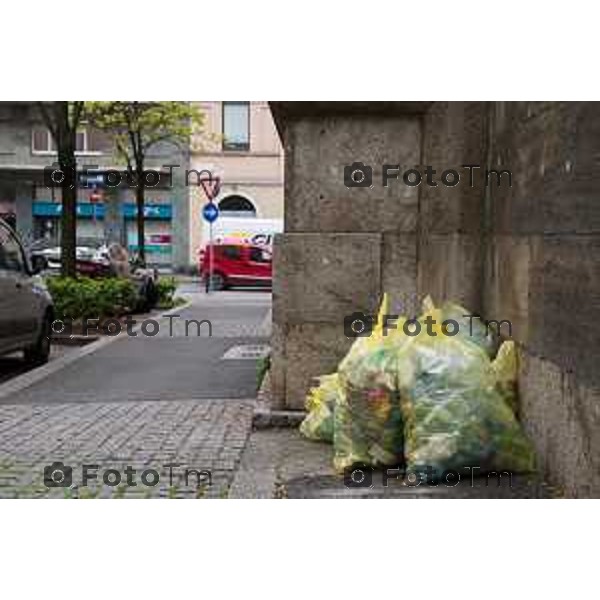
x,y
210,212
210,256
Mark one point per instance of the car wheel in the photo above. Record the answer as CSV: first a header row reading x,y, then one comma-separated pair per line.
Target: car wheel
x,y
39,353
216,282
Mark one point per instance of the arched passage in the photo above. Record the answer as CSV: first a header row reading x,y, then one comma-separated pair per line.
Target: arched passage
x,y
235,205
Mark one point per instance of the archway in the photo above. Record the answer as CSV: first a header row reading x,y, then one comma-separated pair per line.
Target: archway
x,y
237,206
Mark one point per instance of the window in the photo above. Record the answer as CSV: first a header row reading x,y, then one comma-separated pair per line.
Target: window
x,y
237,206
81,141
236,126
43,142
11,256
260,255
230,252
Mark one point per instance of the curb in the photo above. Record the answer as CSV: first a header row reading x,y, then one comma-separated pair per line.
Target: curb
x,y
74,340
26,380
265,419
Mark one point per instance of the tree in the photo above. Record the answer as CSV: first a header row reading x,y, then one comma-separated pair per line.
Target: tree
x,y
63,120
135,128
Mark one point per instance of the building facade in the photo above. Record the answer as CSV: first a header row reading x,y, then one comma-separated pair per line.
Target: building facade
x,y
105,214
240,144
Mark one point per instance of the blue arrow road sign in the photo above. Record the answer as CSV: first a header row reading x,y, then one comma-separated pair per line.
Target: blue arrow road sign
x,y
210,212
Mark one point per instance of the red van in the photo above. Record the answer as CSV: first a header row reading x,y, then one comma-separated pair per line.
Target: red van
x,y
236,265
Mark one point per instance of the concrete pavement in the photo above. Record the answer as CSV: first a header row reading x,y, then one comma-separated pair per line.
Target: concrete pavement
x,y
142,402
280,463
175,363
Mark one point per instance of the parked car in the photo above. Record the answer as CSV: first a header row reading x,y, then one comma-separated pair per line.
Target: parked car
x,y
26,310
91,261
236,265
94,261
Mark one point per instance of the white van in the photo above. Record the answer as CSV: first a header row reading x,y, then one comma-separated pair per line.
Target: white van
x,y
242,230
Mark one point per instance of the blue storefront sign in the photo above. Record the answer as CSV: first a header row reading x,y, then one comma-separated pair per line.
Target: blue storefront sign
x,y
88,210
151,211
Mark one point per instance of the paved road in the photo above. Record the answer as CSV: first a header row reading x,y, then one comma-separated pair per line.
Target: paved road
x,y
143,402
13,365
176,363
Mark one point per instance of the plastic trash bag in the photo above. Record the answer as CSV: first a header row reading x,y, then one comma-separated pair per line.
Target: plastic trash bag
x,y
368,421
368,429
504,367
431,399
320,404
471,329
455,416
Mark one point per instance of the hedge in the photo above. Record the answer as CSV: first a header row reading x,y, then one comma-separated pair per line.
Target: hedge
x,y
165,288
79,297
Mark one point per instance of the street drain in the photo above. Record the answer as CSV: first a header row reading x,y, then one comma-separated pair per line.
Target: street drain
x,y
247,352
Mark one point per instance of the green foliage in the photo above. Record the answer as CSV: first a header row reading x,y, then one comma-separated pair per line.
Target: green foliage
x,y
165,288
262,366
137,126
78,297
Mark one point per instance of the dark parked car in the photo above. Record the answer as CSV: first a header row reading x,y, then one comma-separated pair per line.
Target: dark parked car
x,y
26,310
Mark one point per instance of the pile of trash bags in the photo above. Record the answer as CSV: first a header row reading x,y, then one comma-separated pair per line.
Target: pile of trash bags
x,y
438,398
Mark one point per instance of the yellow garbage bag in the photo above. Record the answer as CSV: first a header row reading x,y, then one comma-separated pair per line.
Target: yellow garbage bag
x,y
368,421
504,367
460,323
320,404
455,417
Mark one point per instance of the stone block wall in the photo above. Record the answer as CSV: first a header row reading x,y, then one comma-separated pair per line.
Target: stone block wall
x,y
342,247
451,218
544,274
528,253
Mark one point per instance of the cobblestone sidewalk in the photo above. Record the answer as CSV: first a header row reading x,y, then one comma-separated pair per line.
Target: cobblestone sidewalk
x,y
198,435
